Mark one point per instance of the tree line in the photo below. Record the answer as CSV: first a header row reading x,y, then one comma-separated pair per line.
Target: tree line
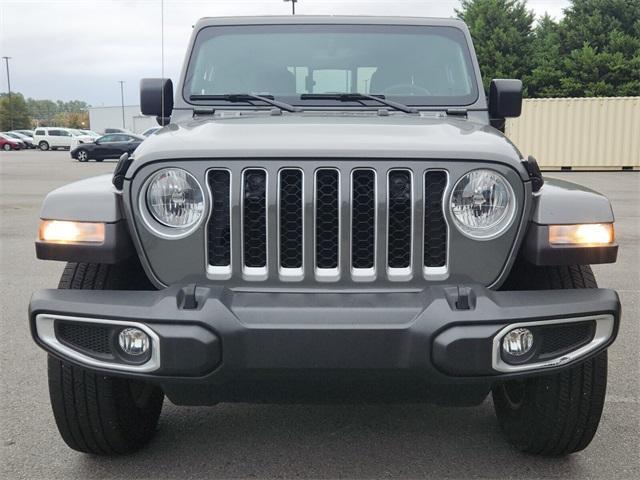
x,y
593,51
27,113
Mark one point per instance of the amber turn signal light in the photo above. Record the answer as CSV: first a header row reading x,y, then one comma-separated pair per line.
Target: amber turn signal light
x,y
63,231
583,235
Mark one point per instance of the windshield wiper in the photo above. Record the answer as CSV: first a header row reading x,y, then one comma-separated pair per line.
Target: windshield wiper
x,y
248,97
354,97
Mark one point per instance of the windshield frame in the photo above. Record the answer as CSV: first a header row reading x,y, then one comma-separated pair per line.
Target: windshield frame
x,y
476,99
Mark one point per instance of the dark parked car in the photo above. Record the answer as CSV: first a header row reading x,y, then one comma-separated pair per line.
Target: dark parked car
x,y
107,146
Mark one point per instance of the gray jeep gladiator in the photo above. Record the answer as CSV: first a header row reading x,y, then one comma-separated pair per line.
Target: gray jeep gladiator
x,y
330,213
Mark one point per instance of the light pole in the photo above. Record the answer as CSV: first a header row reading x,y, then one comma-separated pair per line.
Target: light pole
x,y
6,61
121,82
293,6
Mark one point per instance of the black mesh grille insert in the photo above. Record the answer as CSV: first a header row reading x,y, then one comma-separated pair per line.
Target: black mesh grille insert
x,y
93,338
219,234
560,339
327,218
254,217
291,241
363,222
400,199
435,227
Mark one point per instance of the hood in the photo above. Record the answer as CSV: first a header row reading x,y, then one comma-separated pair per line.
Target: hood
x,y
316,136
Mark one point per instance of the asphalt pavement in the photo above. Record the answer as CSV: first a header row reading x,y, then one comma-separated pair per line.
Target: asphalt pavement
x,y
298,441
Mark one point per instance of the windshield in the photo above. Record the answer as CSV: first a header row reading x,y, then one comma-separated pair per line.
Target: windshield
x,y
414,65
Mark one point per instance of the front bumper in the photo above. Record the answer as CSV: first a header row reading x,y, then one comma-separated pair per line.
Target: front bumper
x,y
212,344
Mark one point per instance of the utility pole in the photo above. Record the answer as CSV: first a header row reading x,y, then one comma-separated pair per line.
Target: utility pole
x,y
293,6
6,61
121,82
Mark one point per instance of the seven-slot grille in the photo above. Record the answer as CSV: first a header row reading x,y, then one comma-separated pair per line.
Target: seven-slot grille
x,y
315,237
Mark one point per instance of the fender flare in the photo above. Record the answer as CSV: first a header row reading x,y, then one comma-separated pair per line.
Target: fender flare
x,y
93,199
566,203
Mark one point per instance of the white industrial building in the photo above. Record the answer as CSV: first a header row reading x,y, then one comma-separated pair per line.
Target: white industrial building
x,y
101,118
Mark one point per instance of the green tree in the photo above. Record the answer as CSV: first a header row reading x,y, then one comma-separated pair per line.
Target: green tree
x,y
14,113
546,74
600,46
42,111
502,32
48,112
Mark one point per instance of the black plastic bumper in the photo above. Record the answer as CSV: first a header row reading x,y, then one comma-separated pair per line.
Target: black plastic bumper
x,y
216,345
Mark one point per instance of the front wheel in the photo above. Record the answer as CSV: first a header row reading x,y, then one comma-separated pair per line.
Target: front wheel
x,y
44,146
96,413
82,156
555,414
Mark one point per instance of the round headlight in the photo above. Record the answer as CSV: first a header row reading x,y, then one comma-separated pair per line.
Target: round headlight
x,y
175,198
482,204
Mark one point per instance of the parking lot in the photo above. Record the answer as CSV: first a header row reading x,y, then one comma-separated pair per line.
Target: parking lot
x,y
241,441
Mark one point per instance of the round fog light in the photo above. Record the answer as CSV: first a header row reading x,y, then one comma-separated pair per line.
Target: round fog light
x,y
517,342
134,341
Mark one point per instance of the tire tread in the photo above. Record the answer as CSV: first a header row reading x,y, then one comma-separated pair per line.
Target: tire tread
x,y
95,413
560,412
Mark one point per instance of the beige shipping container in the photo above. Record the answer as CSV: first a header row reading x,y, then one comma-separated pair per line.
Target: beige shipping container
x,y
579,133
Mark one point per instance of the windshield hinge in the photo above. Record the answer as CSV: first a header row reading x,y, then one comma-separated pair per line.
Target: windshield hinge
x,y
203,111
457,112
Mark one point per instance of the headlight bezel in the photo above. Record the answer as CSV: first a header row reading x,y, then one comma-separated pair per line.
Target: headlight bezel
x,y
497,229
156,225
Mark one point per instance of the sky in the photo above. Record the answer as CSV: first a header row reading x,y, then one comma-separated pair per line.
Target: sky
x,y
80,49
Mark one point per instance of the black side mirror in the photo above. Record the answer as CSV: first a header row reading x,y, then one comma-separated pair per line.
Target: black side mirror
x,y
505,98
156,96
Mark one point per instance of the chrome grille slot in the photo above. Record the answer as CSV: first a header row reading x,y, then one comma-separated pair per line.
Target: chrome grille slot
x,y
219,227
290,223
363,224
327,224
399,224
435,224
254,223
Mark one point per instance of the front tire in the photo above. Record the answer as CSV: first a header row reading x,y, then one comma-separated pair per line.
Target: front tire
x,y
82,156
44,146
555,414
96,413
